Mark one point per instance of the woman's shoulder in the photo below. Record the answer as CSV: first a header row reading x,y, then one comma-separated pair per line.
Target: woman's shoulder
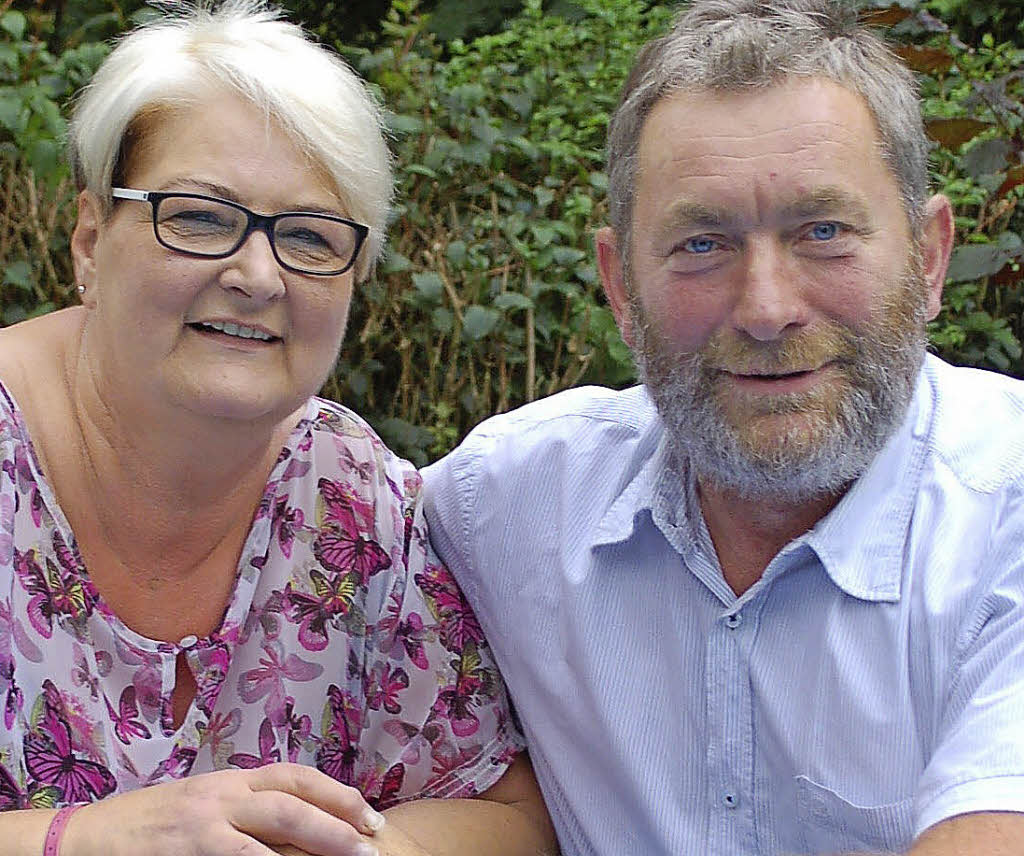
x,y
343,442
31,355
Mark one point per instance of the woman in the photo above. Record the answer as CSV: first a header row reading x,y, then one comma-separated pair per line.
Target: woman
x,y
220,626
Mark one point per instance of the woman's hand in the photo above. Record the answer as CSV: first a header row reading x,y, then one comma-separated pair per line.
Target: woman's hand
x,y
237,812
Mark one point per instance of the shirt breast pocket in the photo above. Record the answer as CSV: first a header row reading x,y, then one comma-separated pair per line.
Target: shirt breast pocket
x,y
831,824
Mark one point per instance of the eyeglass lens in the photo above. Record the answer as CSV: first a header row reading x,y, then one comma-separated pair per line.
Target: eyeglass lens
x,y
208,227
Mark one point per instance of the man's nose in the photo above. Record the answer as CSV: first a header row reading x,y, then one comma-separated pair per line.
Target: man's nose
x,y
254,270
770,294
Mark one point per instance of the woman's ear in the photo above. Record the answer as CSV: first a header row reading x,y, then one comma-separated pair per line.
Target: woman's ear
x,y
83,244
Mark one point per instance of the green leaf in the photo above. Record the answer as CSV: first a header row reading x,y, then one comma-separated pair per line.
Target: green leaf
x,y
456,254
512,300
987,157
394,262
421,169
429,284
442,320
13,116
478,321
976,260
20,274
567,255
13,22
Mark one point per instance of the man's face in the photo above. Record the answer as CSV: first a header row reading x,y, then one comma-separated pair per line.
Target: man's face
x,y
774,298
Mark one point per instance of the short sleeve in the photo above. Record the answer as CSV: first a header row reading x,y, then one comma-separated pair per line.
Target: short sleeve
x,y
978,764
436,705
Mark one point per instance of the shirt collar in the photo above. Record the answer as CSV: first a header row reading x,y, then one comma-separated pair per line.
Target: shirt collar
x,y
860,542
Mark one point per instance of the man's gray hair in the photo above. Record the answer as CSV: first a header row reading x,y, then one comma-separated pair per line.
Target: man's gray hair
x,y
734,45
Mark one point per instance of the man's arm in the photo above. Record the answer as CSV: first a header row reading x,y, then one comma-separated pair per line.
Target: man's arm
x,y
508,819
992,833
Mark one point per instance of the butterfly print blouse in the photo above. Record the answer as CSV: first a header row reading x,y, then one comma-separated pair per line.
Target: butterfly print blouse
x,y
345,644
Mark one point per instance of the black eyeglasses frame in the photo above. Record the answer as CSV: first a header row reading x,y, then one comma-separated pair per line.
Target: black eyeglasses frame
x,y
255,223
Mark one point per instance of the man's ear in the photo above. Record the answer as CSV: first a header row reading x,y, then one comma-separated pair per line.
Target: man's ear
x,y
84,240
936,246
612,270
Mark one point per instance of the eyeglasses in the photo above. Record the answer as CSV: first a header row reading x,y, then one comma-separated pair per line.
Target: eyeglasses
x,y
204,226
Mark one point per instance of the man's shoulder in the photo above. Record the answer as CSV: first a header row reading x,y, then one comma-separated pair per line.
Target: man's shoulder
x,y
978,425
588,414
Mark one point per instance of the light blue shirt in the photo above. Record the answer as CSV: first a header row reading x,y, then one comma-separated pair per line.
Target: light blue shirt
x,y
870,685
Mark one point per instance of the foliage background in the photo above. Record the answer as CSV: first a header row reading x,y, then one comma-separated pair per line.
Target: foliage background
x,y
488,296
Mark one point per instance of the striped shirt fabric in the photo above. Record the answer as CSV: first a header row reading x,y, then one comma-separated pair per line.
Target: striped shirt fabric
x,y
870,685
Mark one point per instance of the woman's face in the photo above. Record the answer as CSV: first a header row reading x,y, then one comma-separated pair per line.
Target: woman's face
x,y
148,333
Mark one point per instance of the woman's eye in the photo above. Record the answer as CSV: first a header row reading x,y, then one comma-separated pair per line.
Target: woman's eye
x,y
824,231
700,245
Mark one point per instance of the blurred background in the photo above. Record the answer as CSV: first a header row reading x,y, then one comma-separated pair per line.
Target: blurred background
x,y
488,296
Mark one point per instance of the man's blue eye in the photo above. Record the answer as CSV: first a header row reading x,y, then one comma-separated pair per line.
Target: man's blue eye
x,y
824,231
700,244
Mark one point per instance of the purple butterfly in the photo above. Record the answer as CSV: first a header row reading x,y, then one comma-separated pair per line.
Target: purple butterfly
x,y
332,596
269,753
50,758
337,753
126,719
458,623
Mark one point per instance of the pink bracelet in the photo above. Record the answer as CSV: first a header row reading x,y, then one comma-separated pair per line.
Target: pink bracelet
x,y
56,831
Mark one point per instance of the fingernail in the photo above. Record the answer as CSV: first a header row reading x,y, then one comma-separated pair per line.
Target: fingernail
x,y
372,820
366,850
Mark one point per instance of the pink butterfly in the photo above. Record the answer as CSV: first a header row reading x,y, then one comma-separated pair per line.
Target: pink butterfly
x,y
269,753
332,596
13,797
286,522
299,729
340,546
364,469
176,765
390,787
403,636
412,738
336,756
50,758
382,687
458,623
473,684
268,679
126,719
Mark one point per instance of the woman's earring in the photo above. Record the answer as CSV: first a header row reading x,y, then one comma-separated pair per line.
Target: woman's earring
x,y
81,289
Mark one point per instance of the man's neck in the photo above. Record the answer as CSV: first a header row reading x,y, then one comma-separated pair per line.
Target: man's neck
x,y
748,533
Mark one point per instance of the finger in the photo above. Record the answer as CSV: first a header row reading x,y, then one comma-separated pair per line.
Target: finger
x,y
312,786
278,818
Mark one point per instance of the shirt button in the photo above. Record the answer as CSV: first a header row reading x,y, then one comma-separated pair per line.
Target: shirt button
x,y
188,641
730,800
733,621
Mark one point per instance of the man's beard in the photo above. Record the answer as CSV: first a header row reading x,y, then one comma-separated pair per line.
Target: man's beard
x,y
822,439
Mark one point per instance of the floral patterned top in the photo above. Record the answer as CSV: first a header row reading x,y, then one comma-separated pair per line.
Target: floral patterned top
x,y
345,644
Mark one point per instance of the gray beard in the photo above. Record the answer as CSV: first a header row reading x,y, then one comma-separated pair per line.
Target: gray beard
x,y
836,444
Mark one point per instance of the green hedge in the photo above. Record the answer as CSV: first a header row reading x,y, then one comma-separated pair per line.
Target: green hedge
x,y
488,296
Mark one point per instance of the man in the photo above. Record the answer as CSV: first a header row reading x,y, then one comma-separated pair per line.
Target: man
x,y
771,601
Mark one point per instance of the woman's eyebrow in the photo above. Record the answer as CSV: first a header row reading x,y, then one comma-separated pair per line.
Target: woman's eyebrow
x,y
221,191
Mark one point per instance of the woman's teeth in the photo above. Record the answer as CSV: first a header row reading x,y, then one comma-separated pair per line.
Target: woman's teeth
x,y
239,330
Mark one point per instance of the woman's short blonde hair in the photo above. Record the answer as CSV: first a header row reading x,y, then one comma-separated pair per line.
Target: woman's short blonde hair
x,y
244,46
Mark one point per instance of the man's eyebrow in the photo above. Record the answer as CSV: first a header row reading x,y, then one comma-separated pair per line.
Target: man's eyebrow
x,y
824,201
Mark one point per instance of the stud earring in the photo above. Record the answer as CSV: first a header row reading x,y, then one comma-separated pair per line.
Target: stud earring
x,y
81,289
